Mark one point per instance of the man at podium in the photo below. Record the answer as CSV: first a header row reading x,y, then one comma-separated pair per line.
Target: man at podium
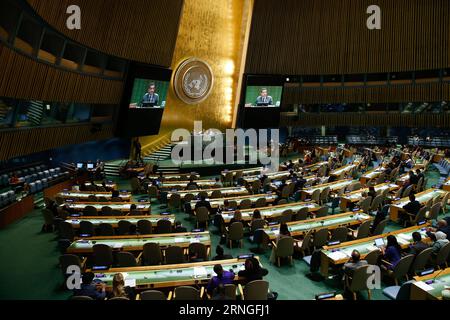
x,y
151,98
264,100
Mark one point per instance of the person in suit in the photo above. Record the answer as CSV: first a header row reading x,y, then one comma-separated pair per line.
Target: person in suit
x,y
88,288
151,97
354,263
418,245
413,206
203,203
264,98
220,255
178,228
253,271
442,226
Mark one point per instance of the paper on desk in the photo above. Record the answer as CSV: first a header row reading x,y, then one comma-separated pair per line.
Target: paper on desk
x,y
404,237
200,272
117,245
337,255
178,239
194,240
422,285
402,241
372,248
130,283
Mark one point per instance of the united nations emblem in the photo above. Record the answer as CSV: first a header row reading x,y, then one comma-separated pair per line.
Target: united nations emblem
x,y
193,81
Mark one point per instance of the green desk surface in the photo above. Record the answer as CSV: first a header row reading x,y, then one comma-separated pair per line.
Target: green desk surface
x,y
244,171
168,184
302,227
115,206
422,197
374,173
114,221
215,203
225,191
81,194
170,274
343,169
137,242
356,195
272,211
438,284
333,186
364,247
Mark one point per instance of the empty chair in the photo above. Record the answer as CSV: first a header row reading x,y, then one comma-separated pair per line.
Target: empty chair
x,y
282,201
152,193
283,248
339,234
304,246
401,269
359,281
444,202
163,226
202,216
174,255
229,291
228,179
124,227
379,229
363,230
315,196
202,194
257,224
174,202
117,213
105,229
420,261
66,231
216,194
372,257
67,260
187,293
256,187
301,214
135,185
260,202
402,292
320,238
420,216
365,204
49,220
286,216
144,227
434,211
151,254
235,233
102,199
324,195
188,197
407,191
441,260
245,204
255,290
285,192
377,202
106,211
152,295
125,259
199,249
322,212
90,211
102,255
87,227
92,198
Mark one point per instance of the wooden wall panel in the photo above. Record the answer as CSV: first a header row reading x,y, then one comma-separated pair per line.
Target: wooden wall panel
x,y
141,30
25,78
428,92
368,120
296,37
14,143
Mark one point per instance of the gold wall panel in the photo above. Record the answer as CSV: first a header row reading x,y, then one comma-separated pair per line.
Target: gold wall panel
x,y
212,31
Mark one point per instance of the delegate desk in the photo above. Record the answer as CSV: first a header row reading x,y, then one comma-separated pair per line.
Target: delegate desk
x,y
271,212
245,172
173,177
109,184
219,202
355,196
301,228
276,184
144,207
334,186
279,175
169,185
229,191
430,287
372,174
114,221
339,254
422,197
172,275
136,243
446,185
84,195
343,170
315,166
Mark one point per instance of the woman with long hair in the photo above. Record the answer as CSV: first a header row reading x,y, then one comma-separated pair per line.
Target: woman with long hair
x,y
391,253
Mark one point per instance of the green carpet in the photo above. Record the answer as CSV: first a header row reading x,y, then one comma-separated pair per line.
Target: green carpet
x,y
28,268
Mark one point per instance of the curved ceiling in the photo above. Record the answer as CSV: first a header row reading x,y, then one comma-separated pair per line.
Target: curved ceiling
x,y
140,30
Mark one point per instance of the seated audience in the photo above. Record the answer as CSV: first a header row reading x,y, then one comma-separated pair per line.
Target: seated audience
x,y
354,263
253,270
220,254
88,288
438,239
391,253
178,228
119,289
222,277
418,245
